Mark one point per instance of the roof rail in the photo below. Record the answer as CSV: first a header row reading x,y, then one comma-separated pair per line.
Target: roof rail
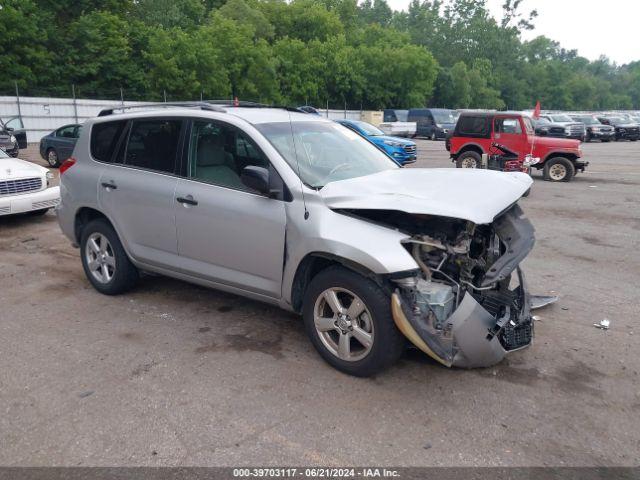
x,y
236,103
201,105
247,104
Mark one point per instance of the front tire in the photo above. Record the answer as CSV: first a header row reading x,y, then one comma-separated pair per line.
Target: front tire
x,y
469,159
559,169
433,136
104,260
349,322
52,158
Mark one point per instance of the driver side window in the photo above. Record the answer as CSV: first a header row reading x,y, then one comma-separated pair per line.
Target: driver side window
x,y
507,125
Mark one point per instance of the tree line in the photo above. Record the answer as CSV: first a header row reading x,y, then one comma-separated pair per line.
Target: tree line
x,y
449,53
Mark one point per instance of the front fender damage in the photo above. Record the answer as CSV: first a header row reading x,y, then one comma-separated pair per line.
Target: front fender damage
x,y
467,309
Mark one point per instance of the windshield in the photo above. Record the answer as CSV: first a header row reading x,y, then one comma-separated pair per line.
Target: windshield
x,y
368,129
561,118
326,151
587,120
528,125
615,119
543,121
444,116
3,154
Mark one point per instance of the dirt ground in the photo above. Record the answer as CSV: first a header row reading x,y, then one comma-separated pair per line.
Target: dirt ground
x,y
174,374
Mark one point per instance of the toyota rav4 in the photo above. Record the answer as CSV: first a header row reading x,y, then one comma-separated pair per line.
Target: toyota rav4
x,y
300,212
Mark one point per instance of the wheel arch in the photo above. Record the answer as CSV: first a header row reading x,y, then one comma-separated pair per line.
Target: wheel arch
x,y
469,147
571,156
315,262
83,216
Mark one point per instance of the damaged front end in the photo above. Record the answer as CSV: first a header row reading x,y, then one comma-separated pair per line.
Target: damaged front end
x,y
469,305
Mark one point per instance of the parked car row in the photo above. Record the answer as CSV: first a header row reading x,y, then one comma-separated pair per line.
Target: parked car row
x,y
587,127
438,123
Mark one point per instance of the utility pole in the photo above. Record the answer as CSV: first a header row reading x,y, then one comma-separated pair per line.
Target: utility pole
x,y
18,100
75,103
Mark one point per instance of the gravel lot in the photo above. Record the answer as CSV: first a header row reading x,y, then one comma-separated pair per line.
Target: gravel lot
x,y
174,374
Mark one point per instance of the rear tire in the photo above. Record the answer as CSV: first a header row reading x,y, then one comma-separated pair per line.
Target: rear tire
x,y
104,260
468,159
385,342
559,169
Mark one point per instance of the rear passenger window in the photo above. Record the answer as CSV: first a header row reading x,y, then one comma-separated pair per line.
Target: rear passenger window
x,y
153,144
473,127
104,139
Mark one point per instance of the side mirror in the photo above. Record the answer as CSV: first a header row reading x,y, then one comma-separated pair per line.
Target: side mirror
x,y
8,129
256,178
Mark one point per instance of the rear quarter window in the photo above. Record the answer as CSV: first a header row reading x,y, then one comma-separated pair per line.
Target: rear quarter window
x,y
104,139
469,126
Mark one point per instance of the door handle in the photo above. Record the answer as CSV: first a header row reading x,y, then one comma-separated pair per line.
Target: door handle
x,y
188,200
109,185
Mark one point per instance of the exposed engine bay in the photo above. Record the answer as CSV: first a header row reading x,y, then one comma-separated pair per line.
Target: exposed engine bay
x,y
469,305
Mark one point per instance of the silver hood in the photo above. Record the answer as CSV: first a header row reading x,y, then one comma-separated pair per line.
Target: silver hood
x,y
469,194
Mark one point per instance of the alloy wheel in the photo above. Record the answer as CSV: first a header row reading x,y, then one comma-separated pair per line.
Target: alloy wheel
x,y
343,324
100,258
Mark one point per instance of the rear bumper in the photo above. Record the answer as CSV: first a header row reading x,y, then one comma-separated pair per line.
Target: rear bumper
x,y
29,202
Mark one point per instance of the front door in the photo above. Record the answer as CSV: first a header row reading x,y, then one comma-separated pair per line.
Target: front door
x,y
509,132
137,190
226,232
18,131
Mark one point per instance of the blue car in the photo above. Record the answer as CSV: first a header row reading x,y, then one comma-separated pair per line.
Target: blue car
x,y
57,146
401,150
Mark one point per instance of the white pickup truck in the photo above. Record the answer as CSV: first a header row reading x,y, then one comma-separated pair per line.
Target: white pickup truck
x,y
399,129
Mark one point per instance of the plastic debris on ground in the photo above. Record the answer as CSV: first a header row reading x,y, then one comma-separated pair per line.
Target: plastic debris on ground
x,y
603,324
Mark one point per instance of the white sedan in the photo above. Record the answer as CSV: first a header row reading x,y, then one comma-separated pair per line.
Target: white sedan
x,y
24,187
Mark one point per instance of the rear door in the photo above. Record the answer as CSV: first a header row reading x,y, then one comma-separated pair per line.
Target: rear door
x,y
136,190
228,233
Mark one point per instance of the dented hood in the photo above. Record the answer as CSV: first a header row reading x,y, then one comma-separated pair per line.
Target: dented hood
x,y
469,194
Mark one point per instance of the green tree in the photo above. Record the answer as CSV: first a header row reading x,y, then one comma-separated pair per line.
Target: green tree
x,y
24,56
243,13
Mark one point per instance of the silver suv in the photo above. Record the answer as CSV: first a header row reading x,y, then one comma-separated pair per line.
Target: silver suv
x,y
298,211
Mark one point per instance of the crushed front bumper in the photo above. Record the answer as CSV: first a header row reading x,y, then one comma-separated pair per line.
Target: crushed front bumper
x,y
472,336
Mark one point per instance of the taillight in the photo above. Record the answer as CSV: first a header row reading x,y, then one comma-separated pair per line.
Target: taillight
x,y
67,164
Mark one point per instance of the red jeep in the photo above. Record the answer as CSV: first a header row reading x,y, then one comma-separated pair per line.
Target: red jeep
x,y
476,133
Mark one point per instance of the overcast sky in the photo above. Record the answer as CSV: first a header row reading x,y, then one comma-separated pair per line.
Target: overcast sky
x,y
593,27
